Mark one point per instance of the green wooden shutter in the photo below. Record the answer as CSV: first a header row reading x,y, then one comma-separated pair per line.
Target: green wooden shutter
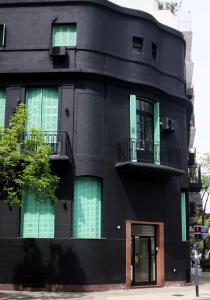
x,y
133,134
2,107
34,105
46,220
183,216
156,133
64,35
30,217
87,208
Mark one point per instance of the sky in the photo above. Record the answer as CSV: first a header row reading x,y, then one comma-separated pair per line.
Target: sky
x,y
200,12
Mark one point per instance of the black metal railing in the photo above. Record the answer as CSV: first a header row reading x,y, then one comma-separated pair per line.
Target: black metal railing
x,y
58,141
149,152
194,173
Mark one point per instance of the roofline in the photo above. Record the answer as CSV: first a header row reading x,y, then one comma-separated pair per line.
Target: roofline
x,y
104,3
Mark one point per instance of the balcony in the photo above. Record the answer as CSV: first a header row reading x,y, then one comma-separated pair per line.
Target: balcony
x,y
195,183
59,144
150,158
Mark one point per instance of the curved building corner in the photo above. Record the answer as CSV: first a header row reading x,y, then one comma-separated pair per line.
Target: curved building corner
x,y
106,84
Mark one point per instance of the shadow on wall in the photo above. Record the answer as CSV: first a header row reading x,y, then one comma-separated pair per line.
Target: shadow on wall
x,y
46,263
27,296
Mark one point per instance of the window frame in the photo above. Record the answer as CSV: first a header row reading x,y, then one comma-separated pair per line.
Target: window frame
x,y
3,95
154,50
156,128
63,24
3,41
138,44
40,222
75,233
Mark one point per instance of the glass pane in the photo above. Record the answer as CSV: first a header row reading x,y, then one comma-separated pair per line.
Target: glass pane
x,y
153,259
64,35
37,218
144,259
87,208
30,217
145,106
1,35
137,260
46,220
49,109
34,104
2,107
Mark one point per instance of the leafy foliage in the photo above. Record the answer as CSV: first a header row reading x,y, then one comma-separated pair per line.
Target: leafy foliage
x,y
24,162
205,192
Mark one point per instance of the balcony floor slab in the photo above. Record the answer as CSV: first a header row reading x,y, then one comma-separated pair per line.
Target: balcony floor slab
x,y
138,168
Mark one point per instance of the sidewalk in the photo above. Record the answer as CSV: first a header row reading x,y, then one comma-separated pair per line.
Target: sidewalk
x,y
185,293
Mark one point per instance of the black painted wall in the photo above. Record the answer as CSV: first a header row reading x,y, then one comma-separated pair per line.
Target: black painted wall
x,y
95,84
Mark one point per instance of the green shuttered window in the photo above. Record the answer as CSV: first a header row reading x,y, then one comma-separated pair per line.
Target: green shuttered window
x,y
133,134
143,131
183,216
42,108
2,107
37,218
64,35
87,208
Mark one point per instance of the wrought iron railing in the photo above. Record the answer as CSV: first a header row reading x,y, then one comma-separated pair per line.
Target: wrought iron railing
x,y
194,173
58,141
149,152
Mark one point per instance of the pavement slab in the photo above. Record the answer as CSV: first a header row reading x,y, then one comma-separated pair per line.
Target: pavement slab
x,y
165,293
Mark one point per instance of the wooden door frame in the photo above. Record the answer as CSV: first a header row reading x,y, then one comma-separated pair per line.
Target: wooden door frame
x,y
160,252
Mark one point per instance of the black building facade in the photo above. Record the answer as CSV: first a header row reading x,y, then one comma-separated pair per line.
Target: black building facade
x,y
107,86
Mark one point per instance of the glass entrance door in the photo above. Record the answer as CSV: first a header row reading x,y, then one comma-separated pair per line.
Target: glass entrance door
x,y
143,255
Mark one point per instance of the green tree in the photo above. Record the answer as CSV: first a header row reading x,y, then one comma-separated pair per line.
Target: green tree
x,y
25,162
205,192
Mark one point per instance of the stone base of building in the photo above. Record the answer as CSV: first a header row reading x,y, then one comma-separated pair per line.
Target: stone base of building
x,y
176,283
64,288
83,288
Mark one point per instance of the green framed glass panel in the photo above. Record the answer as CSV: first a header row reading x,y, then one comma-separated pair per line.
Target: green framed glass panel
x,y
156,133
46,220
64,35
2,107
30,217
49,109
87,208
183,216
37,218
42,108
133,132
34,108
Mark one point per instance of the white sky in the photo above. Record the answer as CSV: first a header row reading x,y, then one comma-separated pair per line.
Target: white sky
x,y
200,12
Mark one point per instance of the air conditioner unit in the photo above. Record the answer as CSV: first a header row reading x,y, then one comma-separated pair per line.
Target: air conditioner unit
x,y
57,51
167,125
190,93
